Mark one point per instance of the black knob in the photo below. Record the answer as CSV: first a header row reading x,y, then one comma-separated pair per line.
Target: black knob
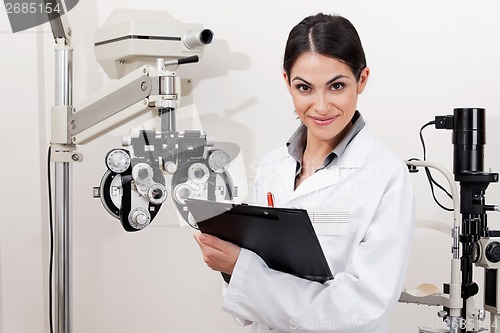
x,y
493,252
469,290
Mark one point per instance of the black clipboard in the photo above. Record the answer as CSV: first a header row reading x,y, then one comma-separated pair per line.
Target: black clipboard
x,y
284,238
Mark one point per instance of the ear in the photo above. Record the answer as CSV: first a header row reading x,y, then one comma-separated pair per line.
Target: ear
x,y
287,82
363,79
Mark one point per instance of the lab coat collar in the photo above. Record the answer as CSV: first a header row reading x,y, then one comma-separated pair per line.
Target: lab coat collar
x,y
354,156
357,151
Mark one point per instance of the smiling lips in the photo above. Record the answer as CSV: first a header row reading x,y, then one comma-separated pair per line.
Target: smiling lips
x,y
320,121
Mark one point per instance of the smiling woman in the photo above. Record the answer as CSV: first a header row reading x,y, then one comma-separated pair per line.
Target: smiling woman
x,y
325,71
331,163
325,104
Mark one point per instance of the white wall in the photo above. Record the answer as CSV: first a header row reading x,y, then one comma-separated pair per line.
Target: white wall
x,y
426,58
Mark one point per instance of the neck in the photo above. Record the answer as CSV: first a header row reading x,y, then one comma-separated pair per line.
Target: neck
x,y
315,153
321,148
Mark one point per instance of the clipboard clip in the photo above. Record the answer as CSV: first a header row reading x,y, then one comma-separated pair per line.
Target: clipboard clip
x,y
250,211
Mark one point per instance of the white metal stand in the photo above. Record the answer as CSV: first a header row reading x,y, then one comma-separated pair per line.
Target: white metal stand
x,y
62,191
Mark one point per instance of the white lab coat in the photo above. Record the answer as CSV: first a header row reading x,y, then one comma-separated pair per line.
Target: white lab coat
x,y
368,262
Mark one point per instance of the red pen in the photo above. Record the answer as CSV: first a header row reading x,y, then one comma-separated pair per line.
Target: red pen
x,y
270,199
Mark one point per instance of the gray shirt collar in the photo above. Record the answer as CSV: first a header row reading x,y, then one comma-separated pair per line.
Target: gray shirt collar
x,y
297,142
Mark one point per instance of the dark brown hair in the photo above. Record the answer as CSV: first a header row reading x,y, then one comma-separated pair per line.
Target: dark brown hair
x,y
330,35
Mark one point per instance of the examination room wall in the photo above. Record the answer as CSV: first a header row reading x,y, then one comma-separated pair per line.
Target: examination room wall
x,y
426,58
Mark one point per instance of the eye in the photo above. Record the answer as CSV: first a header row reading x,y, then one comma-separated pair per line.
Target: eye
x,y
302,87
337,86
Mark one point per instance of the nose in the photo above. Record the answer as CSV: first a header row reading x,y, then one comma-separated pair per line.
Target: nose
x,y
322,104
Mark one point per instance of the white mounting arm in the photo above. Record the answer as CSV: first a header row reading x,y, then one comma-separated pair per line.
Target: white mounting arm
x,y
131,96
134,47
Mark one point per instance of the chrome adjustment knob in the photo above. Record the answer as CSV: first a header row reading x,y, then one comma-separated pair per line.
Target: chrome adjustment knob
x,y
139,218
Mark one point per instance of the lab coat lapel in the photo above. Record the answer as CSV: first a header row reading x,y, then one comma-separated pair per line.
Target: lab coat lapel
x,y
320,180
286,173
357,151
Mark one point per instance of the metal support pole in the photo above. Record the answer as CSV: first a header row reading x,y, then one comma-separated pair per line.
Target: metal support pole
x,y
62,248
62,227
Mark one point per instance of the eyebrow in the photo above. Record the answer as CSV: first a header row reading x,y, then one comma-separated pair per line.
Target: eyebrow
x,y
335,78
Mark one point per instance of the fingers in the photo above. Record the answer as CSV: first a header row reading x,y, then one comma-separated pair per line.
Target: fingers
x,y
196,236
210,253
212,241
218,254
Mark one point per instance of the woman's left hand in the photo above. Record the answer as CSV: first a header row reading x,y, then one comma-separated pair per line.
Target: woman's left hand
x,y
218,254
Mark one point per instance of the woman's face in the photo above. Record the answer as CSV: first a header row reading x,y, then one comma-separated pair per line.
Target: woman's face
x,y
325,93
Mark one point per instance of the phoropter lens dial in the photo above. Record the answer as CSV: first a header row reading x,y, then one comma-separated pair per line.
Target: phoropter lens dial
x,y
118,160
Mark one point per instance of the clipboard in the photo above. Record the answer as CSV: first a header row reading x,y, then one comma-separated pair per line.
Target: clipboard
x,y
284,238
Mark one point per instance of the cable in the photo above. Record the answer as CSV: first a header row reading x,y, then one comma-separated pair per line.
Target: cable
x,y
422,136
431,180
51,260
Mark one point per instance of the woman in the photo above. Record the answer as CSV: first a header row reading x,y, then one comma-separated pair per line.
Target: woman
x,y
332,162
